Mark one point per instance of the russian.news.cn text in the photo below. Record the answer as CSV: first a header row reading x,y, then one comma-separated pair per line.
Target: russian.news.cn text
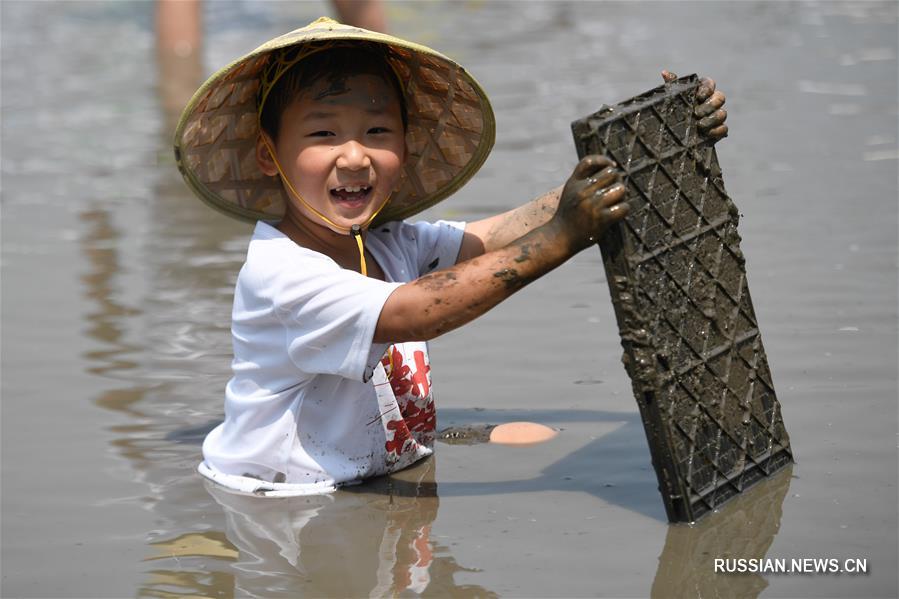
x,y
801,565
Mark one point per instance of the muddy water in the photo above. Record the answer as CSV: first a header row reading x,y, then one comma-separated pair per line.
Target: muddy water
x,y
116,290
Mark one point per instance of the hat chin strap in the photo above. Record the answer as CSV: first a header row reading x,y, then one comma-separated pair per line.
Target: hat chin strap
x,y
355,230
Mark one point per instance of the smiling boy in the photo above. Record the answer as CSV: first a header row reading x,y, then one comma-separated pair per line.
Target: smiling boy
x,y
337,121
351,131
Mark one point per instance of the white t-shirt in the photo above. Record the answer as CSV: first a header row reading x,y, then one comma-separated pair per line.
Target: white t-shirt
x,y
312,402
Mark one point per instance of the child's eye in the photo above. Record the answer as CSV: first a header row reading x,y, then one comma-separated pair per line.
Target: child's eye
x,y
321,134
375,130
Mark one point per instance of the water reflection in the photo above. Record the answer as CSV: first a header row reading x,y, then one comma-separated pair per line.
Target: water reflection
x,y
744,528
182,582
188,555
99,246
367,541
107,325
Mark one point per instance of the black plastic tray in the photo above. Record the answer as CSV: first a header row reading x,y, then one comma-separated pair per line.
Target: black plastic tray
x,y
677,277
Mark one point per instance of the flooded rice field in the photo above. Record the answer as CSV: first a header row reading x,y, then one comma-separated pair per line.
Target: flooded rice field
x,y
117,287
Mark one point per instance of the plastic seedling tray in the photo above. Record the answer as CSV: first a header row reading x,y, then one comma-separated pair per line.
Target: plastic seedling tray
x,y
677,277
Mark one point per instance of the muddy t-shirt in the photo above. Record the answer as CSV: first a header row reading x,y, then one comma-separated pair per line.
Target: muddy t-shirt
x,y
312,402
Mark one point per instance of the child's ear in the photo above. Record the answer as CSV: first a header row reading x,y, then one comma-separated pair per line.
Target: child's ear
x,y
264,157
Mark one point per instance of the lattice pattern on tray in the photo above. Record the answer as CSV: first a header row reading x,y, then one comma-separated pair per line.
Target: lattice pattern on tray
x,y
678,282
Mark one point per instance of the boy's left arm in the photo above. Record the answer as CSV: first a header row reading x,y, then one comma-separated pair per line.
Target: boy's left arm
x,y
498,231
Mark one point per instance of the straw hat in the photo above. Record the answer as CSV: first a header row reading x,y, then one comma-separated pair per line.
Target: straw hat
x,y
450,133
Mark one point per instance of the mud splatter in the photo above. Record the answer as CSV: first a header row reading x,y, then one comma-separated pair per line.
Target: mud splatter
x,y
466,435
525,254
336,86
511,278
437,281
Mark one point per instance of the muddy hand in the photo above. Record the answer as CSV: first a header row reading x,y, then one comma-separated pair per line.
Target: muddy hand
x,y
710,112
591,200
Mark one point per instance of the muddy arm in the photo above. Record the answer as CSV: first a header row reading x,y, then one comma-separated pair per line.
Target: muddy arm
x,y
498,231
447,299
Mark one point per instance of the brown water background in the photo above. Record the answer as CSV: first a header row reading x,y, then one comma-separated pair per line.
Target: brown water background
x,y
116,295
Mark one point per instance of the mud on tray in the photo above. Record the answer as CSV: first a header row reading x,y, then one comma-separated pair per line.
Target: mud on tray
x,y
677,277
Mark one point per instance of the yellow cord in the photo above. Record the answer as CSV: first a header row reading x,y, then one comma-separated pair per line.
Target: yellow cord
x,y
390,360
356,231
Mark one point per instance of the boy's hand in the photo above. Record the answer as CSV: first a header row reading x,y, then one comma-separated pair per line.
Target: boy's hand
x,y
709,111
590,201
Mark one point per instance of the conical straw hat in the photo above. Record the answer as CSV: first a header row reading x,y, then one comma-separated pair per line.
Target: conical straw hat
x,y
450,133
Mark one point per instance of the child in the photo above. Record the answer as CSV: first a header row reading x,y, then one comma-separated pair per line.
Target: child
x,y
335,134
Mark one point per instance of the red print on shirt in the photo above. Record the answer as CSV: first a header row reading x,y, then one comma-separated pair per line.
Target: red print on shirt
x,y
412,390
418,419
420,378
400,436
402,379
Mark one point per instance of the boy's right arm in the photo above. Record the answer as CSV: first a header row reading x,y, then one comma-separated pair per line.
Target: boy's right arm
x,y
445,300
